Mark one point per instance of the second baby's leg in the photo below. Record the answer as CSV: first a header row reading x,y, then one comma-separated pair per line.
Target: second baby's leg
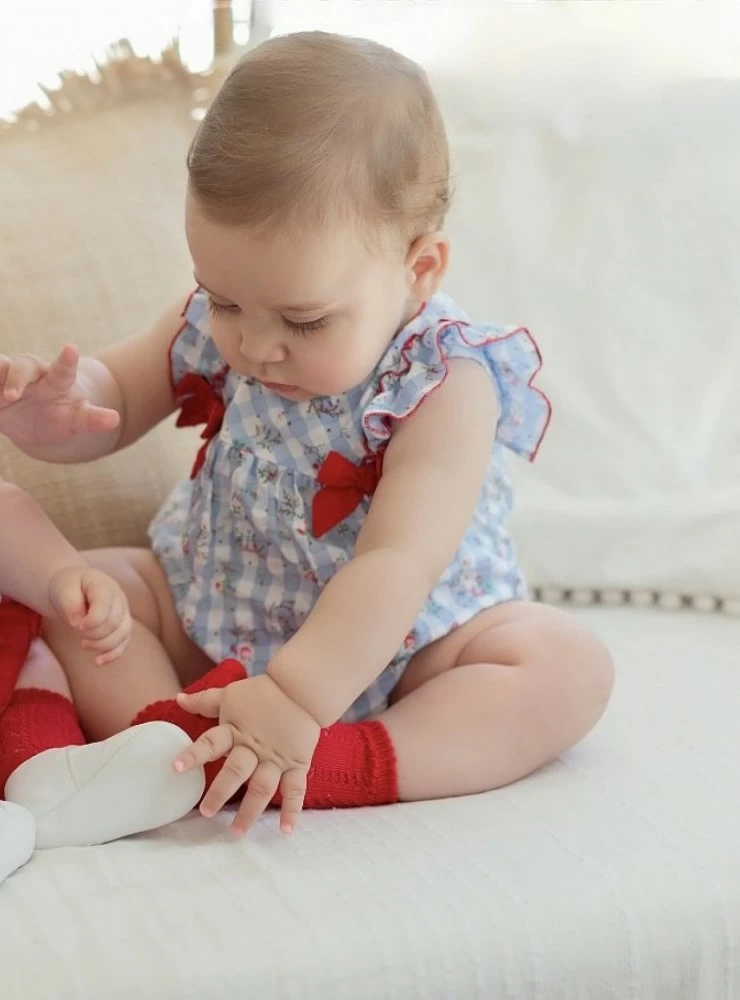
x,y
158,661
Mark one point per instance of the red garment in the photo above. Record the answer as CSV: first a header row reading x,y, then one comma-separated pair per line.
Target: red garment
x,y
343,488
35,720
343,485
195,725
199,404
354,763
19,626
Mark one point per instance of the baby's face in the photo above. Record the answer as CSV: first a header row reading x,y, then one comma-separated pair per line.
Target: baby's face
x,y
307,316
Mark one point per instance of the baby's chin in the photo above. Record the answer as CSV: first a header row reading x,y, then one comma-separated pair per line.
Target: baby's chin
x,y
299,394
296,395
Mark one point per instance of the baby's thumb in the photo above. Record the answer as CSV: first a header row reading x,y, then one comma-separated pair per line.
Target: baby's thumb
x,y
69,603
206,703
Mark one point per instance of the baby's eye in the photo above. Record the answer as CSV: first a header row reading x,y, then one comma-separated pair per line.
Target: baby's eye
x,y
302,329
217,308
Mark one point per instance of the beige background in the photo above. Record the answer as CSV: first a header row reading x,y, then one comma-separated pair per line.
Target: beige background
x,y
91,250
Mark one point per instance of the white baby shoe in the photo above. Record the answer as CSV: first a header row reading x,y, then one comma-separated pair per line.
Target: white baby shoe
x,y
17,837
92,794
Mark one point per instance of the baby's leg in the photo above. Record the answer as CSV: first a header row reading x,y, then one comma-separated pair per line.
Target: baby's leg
x,y
495,700
527,684
152,666
85,794
39,716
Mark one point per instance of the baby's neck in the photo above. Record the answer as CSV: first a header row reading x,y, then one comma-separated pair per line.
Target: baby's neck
x,y
412,310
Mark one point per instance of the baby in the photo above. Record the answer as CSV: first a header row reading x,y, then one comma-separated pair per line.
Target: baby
x,y
342,538
81,794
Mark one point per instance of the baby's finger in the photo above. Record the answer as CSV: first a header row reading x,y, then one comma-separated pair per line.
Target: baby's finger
x,y
118,611
260,791
20,373
101,420
88,419
238,768
112,640
206,703
69,602
100,661
293,792
100,594
94,634
62,373
214,743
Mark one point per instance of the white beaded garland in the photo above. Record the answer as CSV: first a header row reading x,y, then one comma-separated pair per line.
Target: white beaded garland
x,y
612,597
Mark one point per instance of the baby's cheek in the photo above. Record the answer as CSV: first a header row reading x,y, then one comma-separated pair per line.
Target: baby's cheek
x,y
227,342
326,370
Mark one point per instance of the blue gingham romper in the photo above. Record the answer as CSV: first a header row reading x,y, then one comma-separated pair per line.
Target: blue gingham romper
x,y
236,541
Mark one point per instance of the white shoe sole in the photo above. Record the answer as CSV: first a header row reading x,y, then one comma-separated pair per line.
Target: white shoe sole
x,y
17,838
80,796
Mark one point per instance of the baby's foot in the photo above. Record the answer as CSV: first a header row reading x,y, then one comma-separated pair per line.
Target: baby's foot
x,y
104,791
17,838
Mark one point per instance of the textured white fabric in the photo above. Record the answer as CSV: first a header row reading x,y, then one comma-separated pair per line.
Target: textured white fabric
x,y
613,874
17,836
611,229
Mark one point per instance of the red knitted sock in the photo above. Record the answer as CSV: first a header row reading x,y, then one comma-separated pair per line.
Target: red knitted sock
x,y
354,764
19,626
195,725
35,720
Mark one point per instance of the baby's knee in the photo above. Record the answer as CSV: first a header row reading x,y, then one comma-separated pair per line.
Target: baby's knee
x,y
566,660
586,660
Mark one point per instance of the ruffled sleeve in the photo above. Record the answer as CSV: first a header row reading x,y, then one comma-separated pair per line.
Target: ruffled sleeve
x,y
192,351
418,365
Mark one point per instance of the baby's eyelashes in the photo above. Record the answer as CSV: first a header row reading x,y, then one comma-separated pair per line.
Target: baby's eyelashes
x,y
306,327
219,308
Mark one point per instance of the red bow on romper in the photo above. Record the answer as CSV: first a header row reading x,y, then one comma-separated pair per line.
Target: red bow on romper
x,y
199,404
343,488
343,485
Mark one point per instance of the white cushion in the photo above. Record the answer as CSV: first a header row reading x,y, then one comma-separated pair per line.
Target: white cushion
x,y
611,874
605,216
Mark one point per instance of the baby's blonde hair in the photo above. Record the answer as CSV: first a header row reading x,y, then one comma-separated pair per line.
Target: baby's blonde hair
x,y
323,127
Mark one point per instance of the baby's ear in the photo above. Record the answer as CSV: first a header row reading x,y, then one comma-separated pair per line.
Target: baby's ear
x,y
427,264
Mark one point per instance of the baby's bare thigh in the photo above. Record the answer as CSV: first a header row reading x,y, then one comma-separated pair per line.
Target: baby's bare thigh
x,y
142,578
535,637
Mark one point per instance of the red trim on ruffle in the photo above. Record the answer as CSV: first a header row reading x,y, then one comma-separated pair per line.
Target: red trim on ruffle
x,y
444,325
199,401
183,314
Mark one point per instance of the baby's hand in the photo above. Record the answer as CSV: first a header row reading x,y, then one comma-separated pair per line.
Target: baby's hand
x,y
268,742
94,604
46,404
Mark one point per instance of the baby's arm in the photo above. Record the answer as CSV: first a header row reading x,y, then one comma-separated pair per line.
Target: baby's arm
x,y
433,473
39,568
32,551
70,412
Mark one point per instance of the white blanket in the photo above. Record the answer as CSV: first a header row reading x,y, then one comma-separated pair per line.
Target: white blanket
x,y
615,873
